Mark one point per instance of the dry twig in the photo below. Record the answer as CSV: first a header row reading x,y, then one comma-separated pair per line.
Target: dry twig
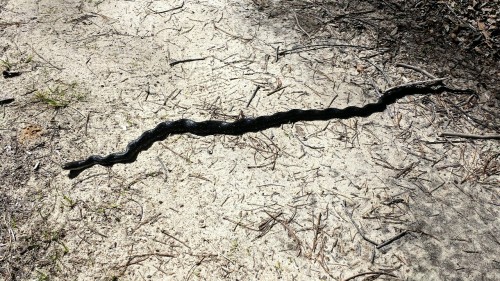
x,y
168,10
470,136
416,69
369,273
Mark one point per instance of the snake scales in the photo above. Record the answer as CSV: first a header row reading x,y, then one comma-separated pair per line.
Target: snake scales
x,y
246,125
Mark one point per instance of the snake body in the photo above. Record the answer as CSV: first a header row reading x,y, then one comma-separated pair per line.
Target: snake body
x,y
246,125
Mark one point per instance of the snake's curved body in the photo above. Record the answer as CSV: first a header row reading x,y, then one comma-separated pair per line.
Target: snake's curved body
x,y
246,125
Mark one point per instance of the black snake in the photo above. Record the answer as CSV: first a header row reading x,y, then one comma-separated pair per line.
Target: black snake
x,y
246,125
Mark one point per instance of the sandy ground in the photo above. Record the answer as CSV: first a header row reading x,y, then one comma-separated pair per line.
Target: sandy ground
x,y
309,201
